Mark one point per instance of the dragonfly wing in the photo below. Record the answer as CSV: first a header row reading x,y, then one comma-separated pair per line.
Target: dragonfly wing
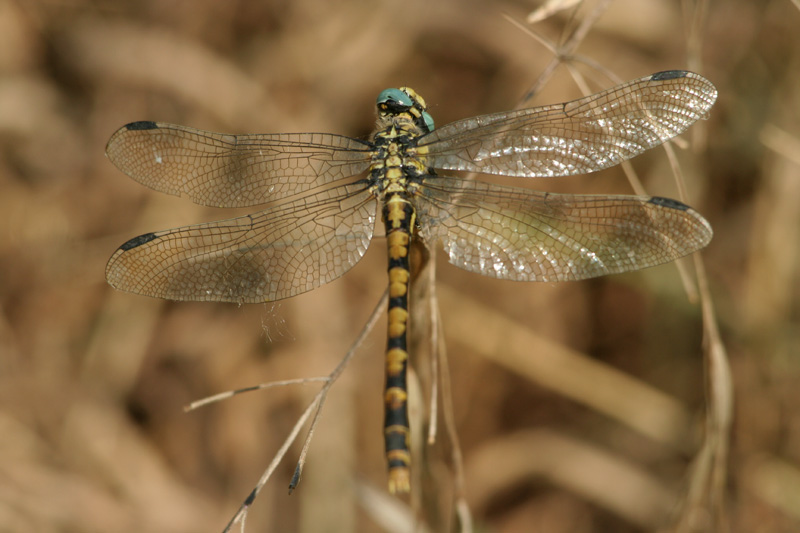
x,y
577,137
518,234
222,170
282,251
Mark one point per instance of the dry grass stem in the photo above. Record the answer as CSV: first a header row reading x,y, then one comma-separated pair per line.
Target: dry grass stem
x,y
650,401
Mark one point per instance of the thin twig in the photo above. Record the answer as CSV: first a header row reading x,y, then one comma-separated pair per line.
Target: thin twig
x,y
566,50
683,270
448,417
241,514
705,498
318,401
230,394
544,41
719,417
433,300
333,376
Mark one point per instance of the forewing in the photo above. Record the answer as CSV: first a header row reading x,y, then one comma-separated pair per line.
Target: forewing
x,y
282,251
518,234
222,170
577,137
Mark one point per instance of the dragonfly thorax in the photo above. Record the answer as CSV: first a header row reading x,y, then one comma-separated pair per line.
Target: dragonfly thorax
x,y
397,162
396,159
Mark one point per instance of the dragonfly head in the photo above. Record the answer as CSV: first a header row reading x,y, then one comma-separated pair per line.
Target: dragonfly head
x,y
395,102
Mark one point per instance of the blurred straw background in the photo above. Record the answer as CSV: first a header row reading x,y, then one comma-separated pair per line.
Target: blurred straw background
x,y
584,407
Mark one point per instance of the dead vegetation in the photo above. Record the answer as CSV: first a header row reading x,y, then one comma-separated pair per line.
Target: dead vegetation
x,y
582,407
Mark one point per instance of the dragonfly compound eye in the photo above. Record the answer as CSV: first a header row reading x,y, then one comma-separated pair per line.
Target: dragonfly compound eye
x,y
428,121
394,101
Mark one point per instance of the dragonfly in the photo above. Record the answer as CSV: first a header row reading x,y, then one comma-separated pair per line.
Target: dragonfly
x,y
322,194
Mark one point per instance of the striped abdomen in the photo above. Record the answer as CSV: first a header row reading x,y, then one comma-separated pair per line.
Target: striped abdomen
x,y
398,216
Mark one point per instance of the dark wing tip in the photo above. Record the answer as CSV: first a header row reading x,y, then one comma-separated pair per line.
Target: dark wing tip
x,y
669,75
669,202
138,241
702,233
141,125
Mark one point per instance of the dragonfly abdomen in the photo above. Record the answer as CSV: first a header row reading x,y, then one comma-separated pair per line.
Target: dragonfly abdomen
x,y
398,216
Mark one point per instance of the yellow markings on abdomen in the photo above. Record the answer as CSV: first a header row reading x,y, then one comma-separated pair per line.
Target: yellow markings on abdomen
x,y
396,360
398,216
394,172
398,281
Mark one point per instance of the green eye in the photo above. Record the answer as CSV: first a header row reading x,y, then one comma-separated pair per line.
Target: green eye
x,y
428,120
395,96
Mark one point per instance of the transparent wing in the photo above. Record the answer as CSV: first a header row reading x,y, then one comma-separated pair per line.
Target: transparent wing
x,y
222,170
282,251
524,235
577,137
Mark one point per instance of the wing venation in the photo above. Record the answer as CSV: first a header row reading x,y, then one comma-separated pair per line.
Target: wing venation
x,y
222,170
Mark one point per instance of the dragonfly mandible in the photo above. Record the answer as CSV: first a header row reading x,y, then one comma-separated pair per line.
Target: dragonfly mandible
x,y
325,191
